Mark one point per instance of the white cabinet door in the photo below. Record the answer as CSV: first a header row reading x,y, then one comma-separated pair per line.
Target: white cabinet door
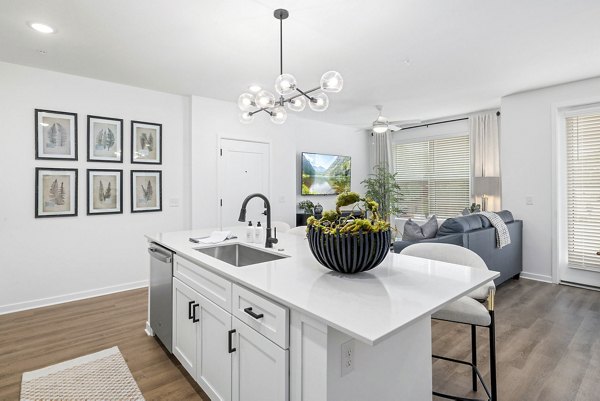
x,y
184,327
213,371
260,367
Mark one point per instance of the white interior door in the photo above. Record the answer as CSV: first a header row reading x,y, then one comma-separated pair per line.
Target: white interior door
x,y
243,169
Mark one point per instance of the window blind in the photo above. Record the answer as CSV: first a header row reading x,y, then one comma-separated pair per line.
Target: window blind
x,y
434,176
583,191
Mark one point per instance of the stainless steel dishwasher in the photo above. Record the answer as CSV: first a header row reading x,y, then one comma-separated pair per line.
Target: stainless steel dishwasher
x,y
161,293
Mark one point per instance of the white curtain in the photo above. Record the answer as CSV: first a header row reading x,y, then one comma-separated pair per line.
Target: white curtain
x,y
485,139
381,150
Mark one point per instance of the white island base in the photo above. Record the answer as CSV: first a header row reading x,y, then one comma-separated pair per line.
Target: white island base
x,y
286,329
397,368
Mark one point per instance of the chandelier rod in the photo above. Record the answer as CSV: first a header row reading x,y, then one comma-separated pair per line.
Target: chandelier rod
x,y
302,93
280,46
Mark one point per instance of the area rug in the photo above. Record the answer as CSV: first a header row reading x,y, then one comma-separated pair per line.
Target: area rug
x,y
103,375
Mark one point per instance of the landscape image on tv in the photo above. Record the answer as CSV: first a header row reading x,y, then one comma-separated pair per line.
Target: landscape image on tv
x,y
325,174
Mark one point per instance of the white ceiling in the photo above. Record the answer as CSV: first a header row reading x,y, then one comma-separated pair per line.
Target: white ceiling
x,y
464,54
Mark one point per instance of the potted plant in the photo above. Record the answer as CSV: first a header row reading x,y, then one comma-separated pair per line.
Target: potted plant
x,y
307,206
350,244
382,187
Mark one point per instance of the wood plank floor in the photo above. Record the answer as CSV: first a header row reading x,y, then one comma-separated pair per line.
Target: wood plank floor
x,y
548,340
37,338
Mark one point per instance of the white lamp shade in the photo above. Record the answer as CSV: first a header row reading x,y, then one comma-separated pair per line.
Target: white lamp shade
x,y
321,102
297,104
332,81
486,186
278,115
285,84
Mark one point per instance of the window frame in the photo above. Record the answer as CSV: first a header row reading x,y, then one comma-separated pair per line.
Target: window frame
x,y
441,131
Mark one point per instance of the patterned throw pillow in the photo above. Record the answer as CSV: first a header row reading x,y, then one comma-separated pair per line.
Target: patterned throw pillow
x,y
414,232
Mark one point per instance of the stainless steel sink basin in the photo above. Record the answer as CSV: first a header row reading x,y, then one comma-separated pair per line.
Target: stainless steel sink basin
x,y
239,254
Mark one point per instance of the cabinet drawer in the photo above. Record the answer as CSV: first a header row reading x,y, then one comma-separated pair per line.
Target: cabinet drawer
x,y
274,321
212,286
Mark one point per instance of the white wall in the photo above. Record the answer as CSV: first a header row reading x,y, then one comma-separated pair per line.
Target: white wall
x,y
55,259
527,161
213,119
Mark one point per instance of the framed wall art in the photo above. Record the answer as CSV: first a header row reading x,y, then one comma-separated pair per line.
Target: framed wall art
x,y
146,191
55,192
104,191
105,139
55,135
146,142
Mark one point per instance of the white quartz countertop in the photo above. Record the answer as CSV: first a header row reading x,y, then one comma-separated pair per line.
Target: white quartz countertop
x,y
368,306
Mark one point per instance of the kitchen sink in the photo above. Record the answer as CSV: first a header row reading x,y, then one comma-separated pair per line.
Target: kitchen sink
x,y
239,254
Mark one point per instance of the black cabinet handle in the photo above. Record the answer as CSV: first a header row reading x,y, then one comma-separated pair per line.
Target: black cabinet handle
x,y
194,313
230,341
248,310
190,315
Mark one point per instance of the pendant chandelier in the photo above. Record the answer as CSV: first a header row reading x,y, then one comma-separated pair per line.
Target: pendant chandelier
x,y
290,95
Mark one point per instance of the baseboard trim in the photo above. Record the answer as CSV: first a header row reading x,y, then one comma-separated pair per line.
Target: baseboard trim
x,y
577,285
149,330
537,277
75,296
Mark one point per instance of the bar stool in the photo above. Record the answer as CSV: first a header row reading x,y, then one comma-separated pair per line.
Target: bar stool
x,y
466,310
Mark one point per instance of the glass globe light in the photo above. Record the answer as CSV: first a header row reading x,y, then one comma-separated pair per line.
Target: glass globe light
x,y
285,84
321,102
332,81
265,99
246,117
278,115
297,104
246,101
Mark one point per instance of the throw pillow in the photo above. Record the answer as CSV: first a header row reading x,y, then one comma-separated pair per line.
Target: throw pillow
x,y
414,232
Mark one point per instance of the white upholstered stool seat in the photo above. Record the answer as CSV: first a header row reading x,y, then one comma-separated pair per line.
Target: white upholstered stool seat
x,y
466,310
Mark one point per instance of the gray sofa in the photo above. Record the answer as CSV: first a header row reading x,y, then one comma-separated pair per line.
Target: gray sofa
x,y
476,233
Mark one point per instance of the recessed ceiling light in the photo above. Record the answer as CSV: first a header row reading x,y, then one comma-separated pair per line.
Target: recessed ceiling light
x,y
42,28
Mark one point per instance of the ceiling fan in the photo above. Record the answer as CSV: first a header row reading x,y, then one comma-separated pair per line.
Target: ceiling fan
x,y
383,124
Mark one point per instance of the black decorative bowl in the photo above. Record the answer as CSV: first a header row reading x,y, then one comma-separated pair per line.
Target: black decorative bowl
x,y
349,253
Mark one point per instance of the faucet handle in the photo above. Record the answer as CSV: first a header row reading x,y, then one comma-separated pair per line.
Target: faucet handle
x,y
274,232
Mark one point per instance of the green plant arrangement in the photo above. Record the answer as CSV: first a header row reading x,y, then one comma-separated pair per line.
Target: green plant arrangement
x,y
307,206
353,243
382,187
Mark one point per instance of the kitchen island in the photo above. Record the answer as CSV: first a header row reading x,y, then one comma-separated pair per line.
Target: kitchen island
x,y
290,329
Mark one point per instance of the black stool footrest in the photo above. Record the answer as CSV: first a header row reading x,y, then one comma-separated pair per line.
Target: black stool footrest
x,y
453,397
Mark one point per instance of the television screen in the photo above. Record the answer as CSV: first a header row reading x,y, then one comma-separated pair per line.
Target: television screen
x,y
325,174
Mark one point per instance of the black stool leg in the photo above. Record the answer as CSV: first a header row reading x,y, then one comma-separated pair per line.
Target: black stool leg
x,y
493,357
474,355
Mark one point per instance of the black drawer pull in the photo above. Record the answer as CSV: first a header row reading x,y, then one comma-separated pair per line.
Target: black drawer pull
x,y
194,313
230,341
190,315
248,310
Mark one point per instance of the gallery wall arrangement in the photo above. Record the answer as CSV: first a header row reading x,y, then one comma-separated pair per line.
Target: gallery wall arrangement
x,y
56,189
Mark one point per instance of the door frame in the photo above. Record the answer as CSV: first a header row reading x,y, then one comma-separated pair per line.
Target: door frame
x,y
219,194
559,178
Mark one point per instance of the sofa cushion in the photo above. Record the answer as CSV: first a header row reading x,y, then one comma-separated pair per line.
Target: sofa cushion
x,y
414,232
461,224
456,239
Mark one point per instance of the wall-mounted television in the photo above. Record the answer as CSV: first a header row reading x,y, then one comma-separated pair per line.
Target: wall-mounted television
x,y
325,174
